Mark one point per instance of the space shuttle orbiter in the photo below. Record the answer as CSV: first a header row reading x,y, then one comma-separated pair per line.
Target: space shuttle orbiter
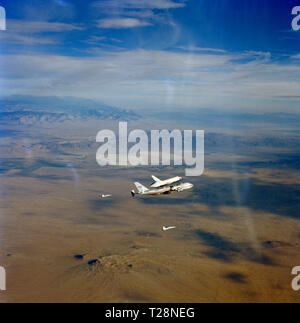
x,y
159,183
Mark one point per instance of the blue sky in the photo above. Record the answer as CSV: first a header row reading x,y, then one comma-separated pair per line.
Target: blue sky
x,y
157,54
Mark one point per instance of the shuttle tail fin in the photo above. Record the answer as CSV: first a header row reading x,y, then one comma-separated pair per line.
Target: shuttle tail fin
x,y
155,179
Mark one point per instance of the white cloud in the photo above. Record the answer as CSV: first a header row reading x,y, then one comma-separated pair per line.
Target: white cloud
x,y
148,79
26,40
297,56
31,32
138,13
201,49
140,4
258,54
119,23
95,40
135,13
34,27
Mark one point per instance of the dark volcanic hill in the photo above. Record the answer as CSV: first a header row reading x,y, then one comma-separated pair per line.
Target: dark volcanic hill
x,y
28,110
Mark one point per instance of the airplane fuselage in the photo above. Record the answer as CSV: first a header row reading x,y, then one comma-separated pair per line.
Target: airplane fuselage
x,y
164,190
167,189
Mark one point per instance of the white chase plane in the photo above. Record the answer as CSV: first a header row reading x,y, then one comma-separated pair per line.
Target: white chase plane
x,y
163,188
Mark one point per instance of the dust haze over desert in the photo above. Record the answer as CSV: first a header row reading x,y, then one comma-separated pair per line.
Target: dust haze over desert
x,y
70,231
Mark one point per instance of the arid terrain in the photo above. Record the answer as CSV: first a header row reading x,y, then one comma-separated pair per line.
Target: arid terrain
x,y
72,230
237,233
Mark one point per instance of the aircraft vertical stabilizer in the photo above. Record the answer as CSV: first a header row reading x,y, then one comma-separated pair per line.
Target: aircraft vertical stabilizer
x,y
155,179
141,188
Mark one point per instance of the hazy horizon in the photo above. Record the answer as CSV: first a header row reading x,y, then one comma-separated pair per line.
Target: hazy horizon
x,y
159,54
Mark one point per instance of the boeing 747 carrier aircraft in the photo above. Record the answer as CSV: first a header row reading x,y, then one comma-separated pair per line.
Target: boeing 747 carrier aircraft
x,y
162,187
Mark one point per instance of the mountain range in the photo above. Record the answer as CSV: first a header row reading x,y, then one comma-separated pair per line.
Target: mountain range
x,y
30,110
